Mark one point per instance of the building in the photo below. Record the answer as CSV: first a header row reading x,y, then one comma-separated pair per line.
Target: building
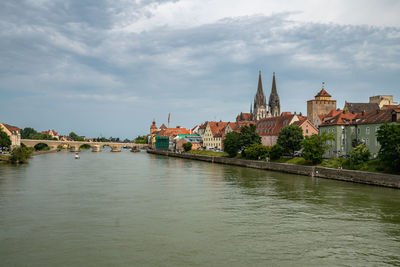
x,y
13,132
52,133
195,139
351,128
359,107
382,100
213,135
269,128
260,110
322,104
306,125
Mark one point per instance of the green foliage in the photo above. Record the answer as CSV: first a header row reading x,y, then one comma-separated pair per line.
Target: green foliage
x,y
101,139
314,147
334,163
359,155
5,141
248,136
208,153
388,137
290,138
232,143
141,139
20,154
30,133
276,152
41,147
187,146
76,137
257,151
127,140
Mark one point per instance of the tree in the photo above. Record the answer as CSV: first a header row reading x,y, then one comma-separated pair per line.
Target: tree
x,y
76,137
28,133
314,147
290,138
187,146
359,155
232,144
248,136
257,151
388,137
5,141
20,154
276,152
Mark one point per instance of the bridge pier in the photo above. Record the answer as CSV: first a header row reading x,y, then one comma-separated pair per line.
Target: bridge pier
x,y
96,148
115,149
75,148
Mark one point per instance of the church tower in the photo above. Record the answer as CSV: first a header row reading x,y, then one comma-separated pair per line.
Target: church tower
x,y
260,105
274,103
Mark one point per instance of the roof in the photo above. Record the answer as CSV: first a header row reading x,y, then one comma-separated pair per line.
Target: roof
x,y
12,129
339,118
390,106
271,126
217,127
239,124
163,126
377,116
323,93
359,107
244,117
173,131
49,131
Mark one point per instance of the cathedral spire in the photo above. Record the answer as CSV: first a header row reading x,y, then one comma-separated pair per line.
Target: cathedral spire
x,y
259,99
274,103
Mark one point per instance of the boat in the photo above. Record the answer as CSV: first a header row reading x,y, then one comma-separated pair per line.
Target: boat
x,y
77,156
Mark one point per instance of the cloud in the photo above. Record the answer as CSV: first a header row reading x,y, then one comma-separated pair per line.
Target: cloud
x,y
196,59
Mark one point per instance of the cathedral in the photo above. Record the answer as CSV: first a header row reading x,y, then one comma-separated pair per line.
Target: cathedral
x,y
260,109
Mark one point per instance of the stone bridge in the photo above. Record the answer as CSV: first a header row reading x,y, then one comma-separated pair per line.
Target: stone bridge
x,y
75,145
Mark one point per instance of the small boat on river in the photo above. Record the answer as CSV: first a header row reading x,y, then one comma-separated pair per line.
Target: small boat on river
x,y
77,156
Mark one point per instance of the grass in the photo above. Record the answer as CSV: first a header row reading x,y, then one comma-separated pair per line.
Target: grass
x,y
296,160
4,157
208,153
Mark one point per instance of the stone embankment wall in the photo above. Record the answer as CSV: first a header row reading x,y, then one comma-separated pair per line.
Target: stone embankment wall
x,y
380,179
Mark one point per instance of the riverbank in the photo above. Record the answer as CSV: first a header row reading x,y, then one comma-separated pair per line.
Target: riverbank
x,y
378,179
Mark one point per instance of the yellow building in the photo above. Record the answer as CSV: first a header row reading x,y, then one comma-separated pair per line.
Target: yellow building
x,y
13,132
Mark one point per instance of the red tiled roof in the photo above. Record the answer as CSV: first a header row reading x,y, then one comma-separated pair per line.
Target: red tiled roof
x,y
341,118
272,126
48,132
376,116
216,127
173,131
390,106
11,128
244,117
323,93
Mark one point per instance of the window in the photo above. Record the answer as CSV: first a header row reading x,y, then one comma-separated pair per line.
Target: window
x,y
367,141
367,130
306,131
358,130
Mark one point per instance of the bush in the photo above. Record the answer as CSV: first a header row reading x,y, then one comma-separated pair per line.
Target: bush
x,y
276,152
5,141
187,146
256,152
20,155
359,155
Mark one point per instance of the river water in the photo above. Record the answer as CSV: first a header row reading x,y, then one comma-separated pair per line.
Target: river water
x,y
137,209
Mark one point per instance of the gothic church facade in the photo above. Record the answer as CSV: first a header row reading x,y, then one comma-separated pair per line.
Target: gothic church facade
x,y
260,108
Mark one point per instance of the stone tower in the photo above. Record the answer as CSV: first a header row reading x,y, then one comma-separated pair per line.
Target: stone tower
x,y
260,105
321,105
274,103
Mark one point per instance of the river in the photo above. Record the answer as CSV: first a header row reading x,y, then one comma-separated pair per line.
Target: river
x,y
137,209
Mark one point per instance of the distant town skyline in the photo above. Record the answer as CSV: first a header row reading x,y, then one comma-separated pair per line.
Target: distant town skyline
x,y
108,68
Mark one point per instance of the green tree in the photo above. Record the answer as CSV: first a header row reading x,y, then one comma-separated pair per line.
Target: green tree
x,y
314,147
187,146
248,136
20,154
388,137
359,155
257,151
5,141
76,137
290,138
28,133
232,144
276,152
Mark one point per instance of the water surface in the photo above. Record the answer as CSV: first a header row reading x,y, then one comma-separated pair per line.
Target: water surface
x,y
136,209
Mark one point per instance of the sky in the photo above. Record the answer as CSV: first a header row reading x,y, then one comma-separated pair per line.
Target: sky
x,y
109,67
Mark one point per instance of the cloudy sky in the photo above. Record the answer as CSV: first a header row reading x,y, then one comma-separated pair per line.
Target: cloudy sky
x,y
108,67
